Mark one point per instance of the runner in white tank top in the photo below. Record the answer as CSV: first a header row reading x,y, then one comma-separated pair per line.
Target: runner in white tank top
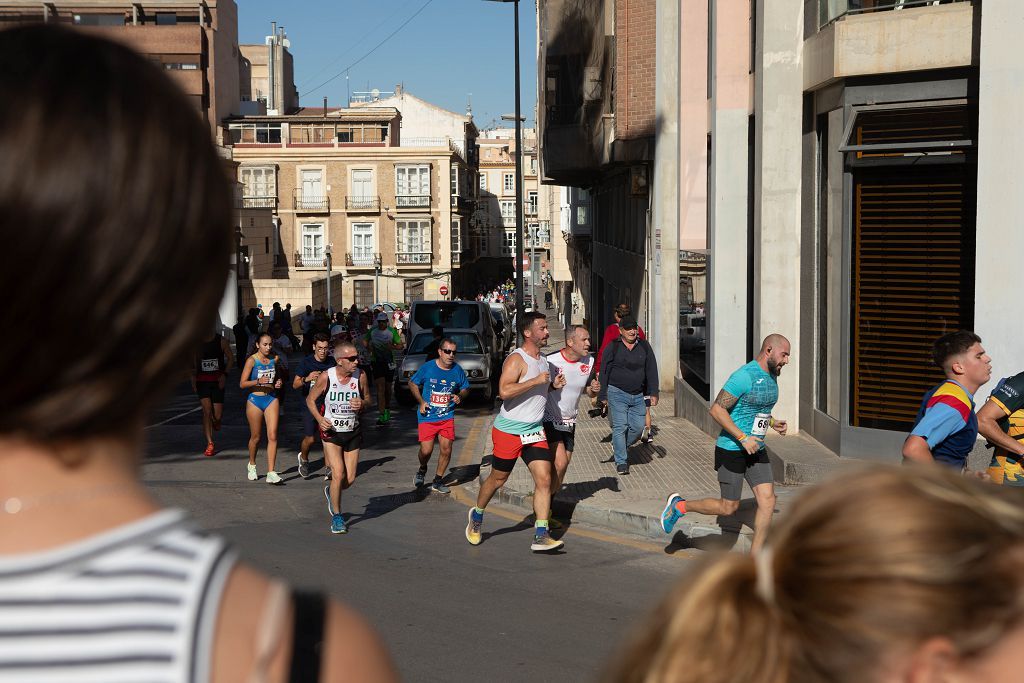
x,y
519,432
345,387
576,366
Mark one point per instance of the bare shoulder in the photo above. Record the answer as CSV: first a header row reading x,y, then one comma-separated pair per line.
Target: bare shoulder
x,y
353,650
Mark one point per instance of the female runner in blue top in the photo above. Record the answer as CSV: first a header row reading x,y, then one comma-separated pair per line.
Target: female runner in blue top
x,y
261,375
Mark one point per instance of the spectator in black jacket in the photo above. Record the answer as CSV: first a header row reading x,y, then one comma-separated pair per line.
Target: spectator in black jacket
x,y
629,371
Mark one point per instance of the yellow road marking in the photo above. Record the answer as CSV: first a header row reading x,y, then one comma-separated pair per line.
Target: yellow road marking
x,y
466,457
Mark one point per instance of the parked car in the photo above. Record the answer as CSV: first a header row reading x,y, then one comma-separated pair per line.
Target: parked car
x,y
693,332
461,315
503,325
472,356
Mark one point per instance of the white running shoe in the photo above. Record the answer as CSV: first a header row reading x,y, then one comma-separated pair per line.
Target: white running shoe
x,y
273,477
251,472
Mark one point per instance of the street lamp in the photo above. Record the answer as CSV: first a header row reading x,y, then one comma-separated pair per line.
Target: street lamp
x,y
520,309
327,262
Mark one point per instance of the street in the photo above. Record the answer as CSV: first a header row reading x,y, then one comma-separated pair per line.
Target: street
x,y
447,610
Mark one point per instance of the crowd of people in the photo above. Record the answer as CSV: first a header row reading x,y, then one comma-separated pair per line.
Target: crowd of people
x,y
886,575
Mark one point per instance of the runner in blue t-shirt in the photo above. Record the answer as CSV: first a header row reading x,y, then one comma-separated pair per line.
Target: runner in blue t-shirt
x,y
439,385
310,368
744,410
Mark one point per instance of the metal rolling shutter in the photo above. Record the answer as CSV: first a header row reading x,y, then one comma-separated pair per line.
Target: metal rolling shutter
x,y
913,280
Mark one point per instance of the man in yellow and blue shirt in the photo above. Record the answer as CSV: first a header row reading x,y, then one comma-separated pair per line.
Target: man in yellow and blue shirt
x,y
1001,421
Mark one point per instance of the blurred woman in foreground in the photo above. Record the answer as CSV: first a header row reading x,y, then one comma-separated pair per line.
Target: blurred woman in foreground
x,y
888,575
115,211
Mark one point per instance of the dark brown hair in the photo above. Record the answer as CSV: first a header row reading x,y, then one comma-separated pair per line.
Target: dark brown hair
x,y
528,319
952,344
115,208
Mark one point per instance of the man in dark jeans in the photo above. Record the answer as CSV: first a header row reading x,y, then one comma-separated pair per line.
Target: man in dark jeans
x,y
628,371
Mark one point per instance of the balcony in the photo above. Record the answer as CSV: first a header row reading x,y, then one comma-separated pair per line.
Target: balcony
x,y
419,259
362,204
530,210
508,221
412,201
830,10
362,260
311,203
312,258
259,202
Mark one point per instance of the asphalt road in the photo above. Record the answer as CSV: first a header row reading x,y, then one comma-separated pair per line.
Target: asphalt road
x,y
449,611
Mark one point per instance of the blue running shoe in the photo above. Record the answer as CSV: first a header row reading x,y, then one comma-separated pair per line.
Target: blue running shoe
x,y
670,515
438,487
338,524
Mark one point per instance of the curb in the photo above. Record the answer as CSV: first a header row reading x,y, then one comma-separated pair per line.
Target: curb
x,y
695,532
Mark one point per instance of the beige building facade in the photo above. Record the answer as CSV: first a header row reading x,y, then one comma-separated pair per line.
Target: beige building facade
x,y
349,200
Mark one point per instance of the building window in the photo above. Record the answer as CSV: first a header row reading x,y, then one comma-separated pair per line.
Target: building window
x,y
531,202
533,165
508,246
455,180
509,183
363,293
482,244
99,19
255,133
483,181
362,244
508,212
313,243
412,185
259,187
362,189
413,241
311,195
181,66
456,236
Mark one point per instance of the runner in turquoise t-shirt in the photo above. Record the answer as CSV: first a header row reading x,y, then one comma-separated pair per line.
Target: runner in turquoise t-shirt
x,y
744,410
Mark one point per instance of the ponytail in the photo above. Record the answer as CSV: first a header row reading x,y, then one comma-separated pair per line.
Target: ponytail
x,y
715,627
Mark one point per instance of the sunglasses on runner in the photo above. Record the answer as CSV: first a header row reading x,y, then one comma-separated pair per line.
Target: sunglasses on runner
x,y
450,352
351,359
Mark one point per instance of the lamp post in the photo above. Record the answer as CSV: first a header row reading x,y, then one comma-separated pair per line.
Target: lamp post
x,y
519,172
327,262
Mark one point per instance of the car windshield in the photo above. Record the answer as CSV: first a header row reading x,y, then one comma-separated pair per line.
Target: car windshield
x,y
448,314
465,342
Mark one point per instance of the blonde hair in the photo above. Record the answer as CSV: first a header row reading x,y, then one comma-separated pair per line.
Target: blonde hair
x,y
874,563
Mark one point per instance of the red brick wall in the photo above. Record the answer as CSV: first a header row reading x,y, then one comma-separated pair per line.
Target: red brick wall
x,y
634,67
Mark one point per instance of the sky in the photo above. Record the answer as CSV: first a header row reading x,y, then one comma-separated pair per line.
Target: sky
x,y
448,52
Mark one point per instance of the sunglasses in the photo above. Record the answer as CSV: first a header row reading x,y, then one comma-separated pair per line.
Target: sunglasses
x,y
351,359
450,352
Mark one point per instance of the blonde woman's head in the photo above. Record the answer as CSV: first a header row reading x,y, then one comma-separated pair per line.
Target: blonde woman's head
x,y
888,574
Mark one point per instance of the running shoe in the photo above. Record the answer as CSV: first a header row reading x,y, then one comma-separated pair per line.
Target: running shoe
x,y
327,495
476,522
380,419
542,541
338,524
646,436
273,477
670,515
327,474
303,467
622,469
209,450
251,472
387,415
421,475
438,487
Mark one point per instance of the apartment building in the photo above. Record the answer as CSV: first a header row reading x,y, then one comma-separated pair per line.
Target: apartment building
x,y
196,42
268,75
596,130
351,206
493,226
425,125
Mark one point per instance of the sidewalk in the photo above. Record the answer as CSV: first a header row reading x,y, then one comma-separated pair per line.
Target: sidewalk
x,y
680,460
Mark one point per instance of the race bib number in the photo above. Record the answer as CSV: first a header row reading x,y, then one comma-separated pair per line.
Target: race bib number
x,y
564,425
209,365
440,401
265,376
761,423
345,423
532,437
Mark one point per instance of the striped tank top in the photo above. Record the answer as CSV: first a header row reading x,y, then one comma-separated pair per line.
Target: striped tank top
x,y
136,603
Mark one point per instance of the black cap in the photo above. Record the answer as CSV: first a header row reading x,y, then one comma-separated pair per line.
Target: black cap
x,y
628,322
